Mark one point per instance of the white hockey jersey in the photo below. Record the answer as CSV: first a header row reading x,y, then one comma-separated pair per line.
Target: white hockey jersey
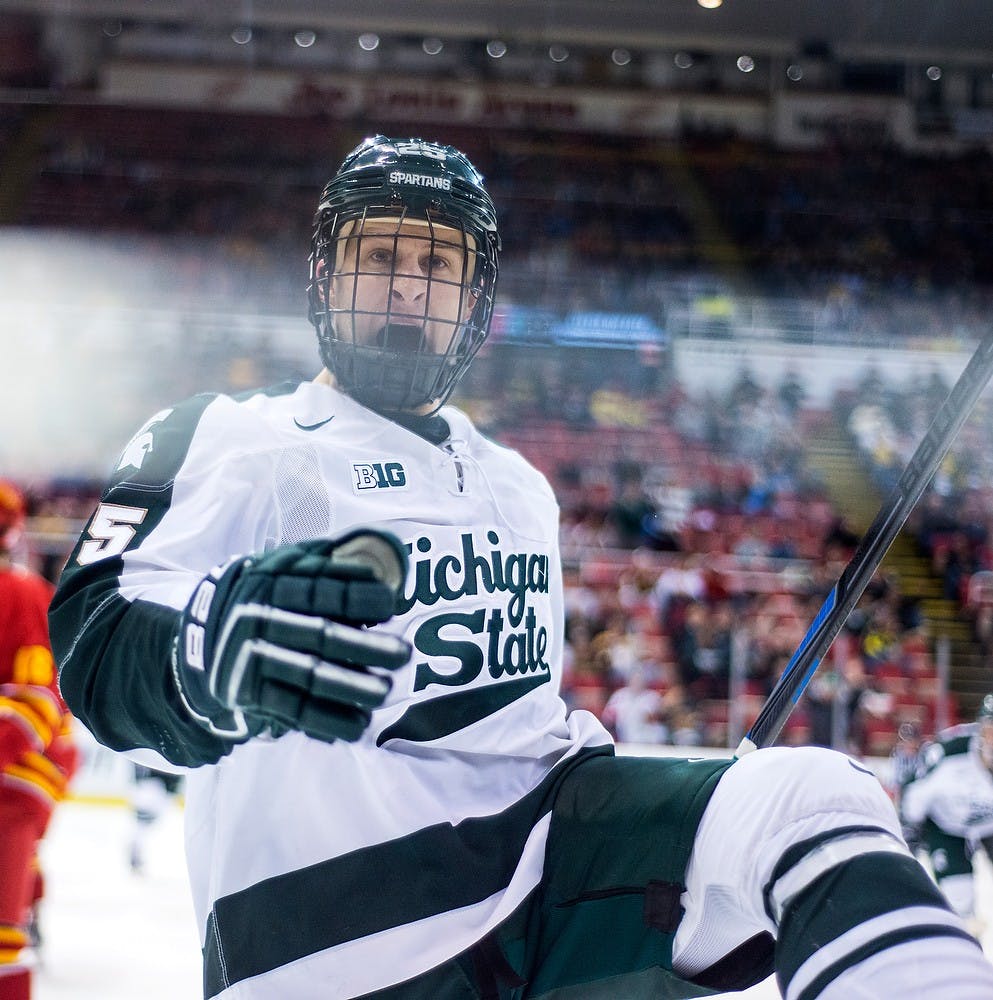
x,y
332,870
955,789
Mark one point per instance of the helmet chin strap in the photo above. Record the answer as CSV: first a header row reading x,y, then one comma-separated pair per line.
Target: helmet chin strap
x,y
384,381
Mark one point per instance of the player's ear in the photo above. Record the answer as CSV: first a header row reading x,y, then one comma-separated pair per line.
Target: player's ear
x,y
323,288
471,298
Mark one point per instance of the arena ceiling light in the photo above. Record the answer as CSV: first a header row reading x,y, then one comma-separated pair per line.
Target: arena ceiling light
x,y
432,46
496,49
710,4
305,38
558,53
368,41
241,35
745,63
620,57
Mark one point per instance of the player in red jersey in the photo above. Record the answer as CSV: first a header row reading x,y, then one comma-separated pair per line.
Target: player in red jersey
x,y
37,755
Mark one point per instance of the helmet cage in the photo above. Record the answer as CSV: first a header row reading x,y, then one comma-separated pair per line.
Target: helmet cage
x,y
401,368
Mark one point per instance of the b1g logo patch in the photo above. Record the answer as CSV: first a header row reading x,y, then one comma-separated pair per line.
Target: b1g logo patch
x,y
378,476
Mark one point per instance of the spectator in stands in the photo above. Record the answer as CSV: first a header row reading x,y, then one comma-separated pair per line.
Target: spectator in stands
x,y
958,565
715,652
688,636
615,648
681,581
635,712
840,535
683,720
979,607
585,675
751,548
632,514
791,393
834,702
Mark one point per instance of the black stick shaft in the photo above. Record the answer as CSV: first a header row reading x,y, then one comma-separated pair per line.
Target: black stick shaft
x,y
891,517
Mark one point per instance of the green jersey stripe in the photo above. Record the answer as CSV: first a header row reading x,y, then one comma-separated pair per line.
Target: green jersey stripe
x,y
398,881
447,714
916,933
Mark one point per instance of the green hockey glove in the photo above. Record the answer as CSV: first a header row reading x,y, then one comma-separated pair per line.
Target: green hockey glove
x,y
278,641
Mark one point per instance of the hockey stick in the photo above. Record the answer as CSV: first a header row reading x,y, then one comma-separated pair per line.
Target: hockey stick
x,y
869,554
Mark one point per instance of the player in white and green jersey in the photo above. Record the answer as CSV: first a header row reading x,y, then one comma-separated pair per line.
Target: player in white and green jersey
x,y
340,607
949,806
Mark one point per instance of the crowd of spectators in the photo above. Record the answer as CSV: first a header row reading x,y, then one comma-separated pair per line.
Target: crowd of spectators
x,y
806,218
673,646
691,583
953,522
609,223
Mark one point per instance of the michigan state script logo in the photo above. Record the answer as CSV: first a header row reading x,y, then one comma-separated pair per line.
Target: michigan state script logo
x,y
502,633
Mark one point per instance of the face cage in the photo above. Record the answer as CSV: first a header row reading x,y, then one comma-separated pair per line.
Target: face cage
x,y
400,371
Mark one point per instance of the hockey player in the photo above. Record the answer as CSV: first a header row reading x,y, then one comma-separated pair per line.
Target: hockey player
x,y
341,608
950,807
37,755
906,761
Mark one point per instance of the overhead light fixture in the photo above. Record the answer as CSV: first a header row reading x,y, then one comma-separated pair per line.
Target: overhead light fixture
x,y
620,57
683,60
710,4
496,49
745,63
112,28
558,53
432,46
795,72
241,35
368,41
933,72
305,38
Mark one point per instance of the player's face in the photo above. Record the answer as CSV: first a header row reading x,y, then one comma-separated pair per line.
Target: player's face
x,y
402,285
986,743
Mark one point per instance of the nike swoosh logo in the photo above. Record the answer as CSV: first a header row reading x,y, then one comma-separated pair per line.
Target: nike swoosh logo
x,y
312,427
447,714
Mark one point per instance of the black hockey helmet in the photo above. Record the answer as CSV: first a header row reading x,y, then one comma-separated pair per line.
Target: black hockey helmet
x,y
435,193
